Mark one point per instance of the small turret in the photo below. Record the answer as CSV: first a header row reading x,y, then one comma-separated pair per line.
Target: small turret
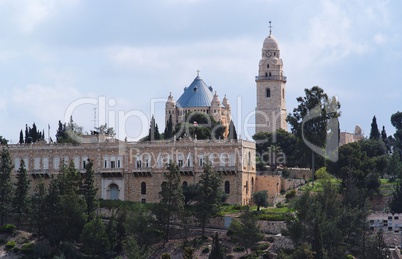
x,y
215,101
226,102
170,103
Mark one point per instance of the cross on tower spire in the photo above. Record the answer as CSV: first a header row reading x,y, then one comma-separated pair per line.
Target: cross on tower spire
x,y
198,72
270,27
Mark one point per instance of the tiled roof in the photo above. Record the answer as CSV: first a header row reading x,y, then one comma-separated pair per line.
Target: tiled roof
x,y
198,94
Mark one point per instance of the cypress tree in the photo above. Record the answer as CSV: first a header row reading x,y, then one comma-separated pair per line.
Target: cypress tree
x,y
216,251
21,137
89,190
232,131
38,205
169,128
374,133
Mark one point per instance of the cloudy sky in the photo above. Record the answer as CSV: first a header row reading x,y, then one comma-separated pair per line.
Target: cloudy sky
x,y
124,57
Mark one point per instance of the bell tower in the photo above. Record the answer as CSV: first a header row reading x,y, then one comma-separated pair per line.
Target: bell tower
x,y
271,86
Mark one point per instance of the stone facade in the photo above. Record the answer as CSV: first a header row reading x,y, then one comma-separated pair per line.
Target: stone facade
x,y
271,86
346,137
134,170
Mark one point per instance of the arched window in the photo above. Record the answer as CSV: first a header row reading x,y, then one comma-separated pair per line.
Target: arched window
x,y
227,187
143,188
163,186
114,192
283,93
185,184
143,200
267,65
266,74
270,74
249,158
268,92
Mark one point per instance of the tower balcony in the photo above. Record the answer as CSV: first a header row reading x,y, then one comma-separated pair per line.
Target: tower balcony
x,y
275,77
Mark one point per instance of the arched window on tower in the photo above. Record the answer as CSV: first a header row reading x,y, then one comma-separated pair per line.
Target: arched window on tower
x,y
283,93
267,65
270,74
227,187
143,188
268,92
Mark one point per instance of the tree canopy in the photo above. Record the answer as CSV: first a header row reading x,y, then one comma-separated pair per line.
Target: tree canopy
x,y
315,124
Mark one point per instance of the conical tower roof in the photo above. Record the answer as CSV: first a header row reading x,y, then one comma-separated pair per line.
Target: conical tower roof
x,y
198,94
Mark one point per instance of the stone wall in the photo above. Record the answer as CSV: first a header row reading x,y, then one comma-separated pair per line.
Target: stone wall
x,y
270,183
290,184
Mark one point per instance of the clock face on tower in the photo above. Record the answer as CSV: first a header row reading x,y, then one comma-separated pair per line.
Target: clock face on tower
x,y
269,54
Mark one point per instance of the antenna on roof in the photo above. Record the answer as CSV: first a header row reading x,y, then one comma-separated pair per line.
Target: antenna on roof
x,y
94,117
270,28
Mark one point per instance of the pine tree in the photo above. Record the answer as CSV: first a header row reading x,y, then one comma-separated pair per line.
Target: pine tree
x,y
209,198
374,133
21,199
65,209
89,189
171,198
246,231
6,187
94,239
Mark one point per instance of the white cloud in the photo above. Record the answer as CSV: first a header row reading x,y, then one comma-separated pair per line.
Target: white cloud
x,y
30,14
44,102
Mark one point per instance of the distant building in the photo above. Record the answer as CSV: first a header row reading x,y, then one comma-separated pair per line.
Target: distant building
x,y
346,137
134,171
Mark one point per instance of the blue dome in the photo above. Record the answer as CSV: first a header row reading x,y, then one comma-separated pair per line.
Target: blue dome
x,y
198,94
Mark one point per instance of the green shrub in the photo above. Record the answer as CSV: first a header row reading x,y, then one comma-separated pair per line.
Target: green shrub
x,y
238,249
8,228
274,216
290,195
205,250
285,173
10,245
15,249
263,246
27,248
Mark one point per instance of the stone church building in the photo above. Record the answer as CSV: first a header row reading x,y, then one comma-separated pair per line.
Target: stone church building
x,y
134,170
